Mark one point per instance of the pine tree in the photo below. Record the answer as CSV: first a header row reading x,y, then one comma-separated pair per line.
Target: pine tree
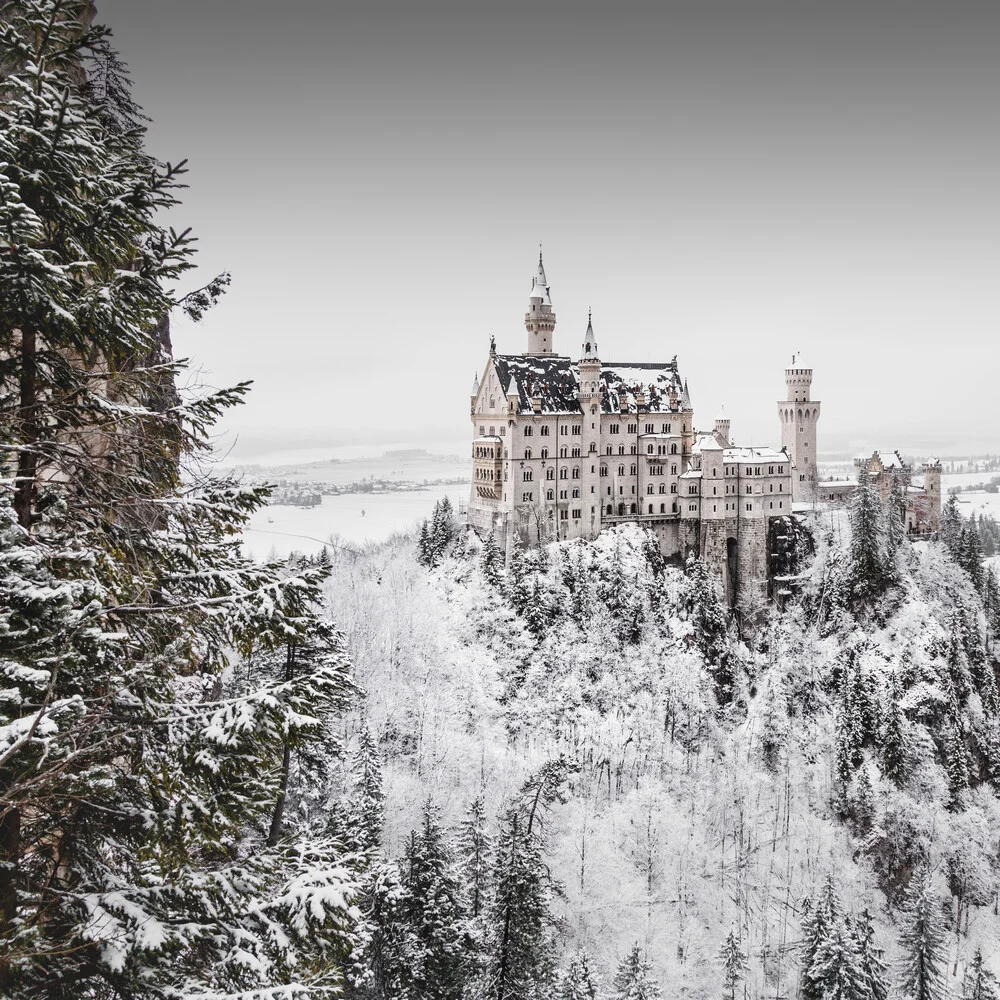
x,y
633,980
133,757
951,526
435,914
835,966
971,554
473,851
733,966
870,966
492,561
578,982
893,747
367,800
979,983
922,942
868,540
895,515
821,917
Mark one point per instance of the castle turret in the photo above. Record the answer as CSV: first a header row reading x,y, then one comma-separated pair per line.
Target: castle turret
x,y
540,320
932,489
798,414
589,395
722,426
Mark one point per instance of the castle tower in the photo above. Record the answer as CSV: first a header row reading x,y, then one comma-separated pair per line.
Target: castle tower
x,y
540,320
722,427
589,381
798,414
932,487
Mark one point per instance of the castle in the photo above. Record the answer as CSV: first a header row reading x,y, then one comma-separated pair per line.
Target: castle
x,y
563,447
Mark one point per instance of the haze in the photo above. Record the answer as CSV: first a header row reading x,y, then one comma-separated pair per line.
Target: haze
x,y
728,182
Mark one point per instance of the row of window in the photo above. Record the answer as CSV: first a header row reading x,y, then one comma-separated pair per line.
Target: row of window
x,y
632,508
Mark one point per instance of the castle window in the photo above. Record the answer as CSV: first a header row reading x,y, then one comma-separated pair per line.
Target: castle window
x,y
714,491
633,509
771,505
673,507
550,495
576,493
780,505
632,429
749,506
770,488
665,429
673,470
650,508
493,431
663,487
577,513
714,508
779,487
563,452
693,488
545,453
621,510
632,470
604,470
649,449
527,453
563,474
564,515
562,494
649,430
749,489
564,429
673,449
632,450
528,475
770,470
503,432
663,508
528,431
550,473
482,431
593,448
575,452
609,449
621,470
526,498
621,449
611,510
544,431
576,472
673,487
614,428
649,490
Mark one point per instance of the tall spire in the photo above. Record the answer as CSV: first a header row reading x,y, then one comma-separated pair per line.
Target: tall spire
x,y
589,350
540,320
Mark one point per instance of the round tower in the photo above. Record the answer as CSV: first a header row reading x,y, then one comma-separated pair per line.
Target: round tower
x,y
799,414
722,426
540,320
932,488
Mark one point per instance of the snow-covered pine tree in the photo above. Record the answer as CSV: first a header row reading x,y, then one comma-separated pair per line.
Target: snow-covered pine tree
x,y
634,979
951,526
820,919
577,981
870,966
979,983
868,540
892,739
473,855
835,968
971,553
138,780
922,942
492,561
434,911
895,516
366,802
734,964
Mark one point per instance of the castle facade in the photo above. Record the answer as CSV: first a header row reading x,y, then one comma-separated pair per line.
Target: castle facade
x,y
563,447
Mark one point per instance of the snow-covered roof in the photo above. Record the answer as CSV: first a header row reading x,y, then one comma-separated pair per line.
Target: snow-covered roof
x,y
755,455
555,381
691,474
707,442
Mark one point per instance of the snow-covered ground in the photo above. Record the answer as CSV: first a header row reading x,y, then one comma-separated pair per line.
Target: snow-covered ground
x,y
354,518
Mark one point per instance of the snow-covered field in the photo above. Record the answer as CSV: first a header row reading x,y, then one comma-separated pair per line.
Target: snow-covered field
x,y
354,518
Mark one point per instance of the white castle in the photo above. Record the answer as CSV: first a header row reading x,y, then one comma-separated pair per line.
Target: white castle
x,y
562,448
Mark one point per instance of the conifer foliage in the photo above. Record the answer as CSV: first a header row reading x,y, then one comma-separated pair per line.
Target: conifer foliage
x,y
436,536
144,846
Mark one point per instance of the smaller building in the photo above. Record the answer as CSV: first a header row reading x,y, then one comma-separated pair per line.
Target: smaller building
x,y
922,500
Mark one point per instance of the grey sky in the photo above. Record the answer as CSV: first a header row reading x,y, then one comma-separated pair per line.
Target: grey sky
x,y
728,182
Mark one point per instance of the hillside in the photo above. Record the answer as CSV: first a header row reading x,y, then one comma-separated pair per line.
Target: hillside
x,y
715,781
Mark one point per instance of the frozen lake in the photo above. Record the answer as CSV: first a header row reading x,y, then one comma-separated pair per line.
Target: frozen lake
x,y
354,518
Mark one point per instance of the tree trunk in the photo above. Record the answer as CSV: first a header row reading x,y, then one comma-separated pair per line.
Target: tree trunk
x,y
27,458
10,858
274,835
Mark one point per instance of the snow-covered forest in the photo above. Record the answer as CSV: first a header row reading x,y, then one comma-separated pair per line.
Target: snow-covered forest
x,y
419,771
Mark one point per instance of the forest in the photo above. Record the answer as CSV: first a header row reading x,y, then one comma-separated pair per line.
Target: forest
x,y
424,770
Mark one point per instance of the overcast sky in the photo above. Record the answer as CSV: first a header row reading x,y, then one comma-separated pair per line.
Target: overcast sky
x,y
724,181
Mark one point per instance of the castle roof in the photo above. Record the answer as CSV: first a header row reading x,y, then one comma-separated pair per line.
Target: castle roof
x,y
555,381
755,455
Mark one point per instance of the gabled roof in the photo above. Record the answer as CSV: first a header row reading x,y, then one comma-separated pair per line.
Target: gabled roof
x,y
546,375
624,380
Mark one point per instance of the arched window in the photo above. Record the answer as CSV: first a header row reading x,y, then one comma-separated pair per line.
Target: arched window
x,y
621,470
545,453
650,508
663,508
663,487
673,449
563,474
621,510
632,509
527,475
527,453
649,490
611,510
550,473
649,449
673,487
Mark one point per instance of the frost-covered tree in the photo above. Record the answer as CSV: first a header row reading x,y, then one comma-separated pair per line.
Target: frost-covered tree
x,y
869,573
578,981
869,962
734,964
492,561
895,537
710,625
922,942
892,738
366,804
139,776
473,855
979,983
634,978
821,919
434,910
